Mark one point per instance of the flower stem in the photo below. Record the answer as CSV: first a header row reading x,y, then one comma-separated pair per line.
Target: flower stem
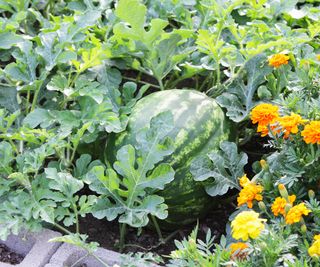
x,y
123,228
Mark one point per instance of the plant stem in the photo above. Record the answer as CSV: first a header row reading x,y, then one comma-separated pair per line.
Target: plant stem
x,y
165,240
278,83
100,260
13,146
28,101
35,98
161,84
142,82
218,82
312,151
79,260
62,228
123,228
205,82
21,146
68,150
77,218
156,225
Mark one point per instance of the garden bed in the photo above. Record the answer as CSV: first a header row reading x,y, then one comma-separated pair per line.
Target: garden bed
x,y
9,256
107,233
120,119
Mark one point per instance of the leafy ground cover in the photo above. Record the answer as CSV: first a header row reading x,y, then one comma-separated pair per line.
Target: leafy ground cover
x,y
72,74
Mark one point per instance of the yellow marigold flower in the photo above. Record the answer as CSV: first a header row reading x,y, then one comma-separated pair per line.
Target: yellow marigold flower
x,y
247,224
311,133
250,193
318,56
264,114
278,59
244,180
278,206
289,124
295,214
314,250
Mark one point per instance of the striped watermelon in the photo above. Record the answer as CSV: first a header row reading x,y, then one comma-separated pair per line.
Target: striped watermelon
x,y
200,125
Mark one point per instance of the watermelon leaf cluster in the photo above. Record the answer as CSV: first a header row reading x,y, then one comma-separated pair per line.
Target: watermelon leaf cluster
x,y
222,169
239,96
127,189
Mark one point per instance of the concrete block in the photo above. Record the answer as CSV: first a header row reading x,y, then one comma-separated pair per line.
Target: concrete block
x,y
67,255
34,246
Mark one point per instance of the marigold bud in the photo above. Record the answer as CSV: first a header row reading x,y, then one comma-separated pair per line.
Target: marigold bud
x,y
283,191
287,207
262,206
303,228
311,194
264,164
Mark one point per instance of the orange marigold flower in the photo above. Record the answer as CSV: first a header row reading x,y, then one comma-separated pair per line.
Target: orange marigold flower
x,y
295,214
264,114
289,124
237,250
238,246
278,206
311,133
278,59
250,192
264,129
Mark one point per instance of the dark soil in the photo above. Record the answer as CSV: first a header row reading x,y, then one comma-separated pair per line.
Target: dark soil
x,y
107,233
8,256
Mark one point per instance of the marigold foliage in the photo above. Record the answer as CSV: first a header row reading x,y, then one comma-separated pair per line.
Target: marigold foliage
x,y
278,206
314,249
311,133
295,214
247,224
278,60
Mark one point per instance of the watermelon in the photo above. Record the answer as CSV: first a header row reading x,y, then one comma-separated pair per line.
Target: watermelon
x,y
200,126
